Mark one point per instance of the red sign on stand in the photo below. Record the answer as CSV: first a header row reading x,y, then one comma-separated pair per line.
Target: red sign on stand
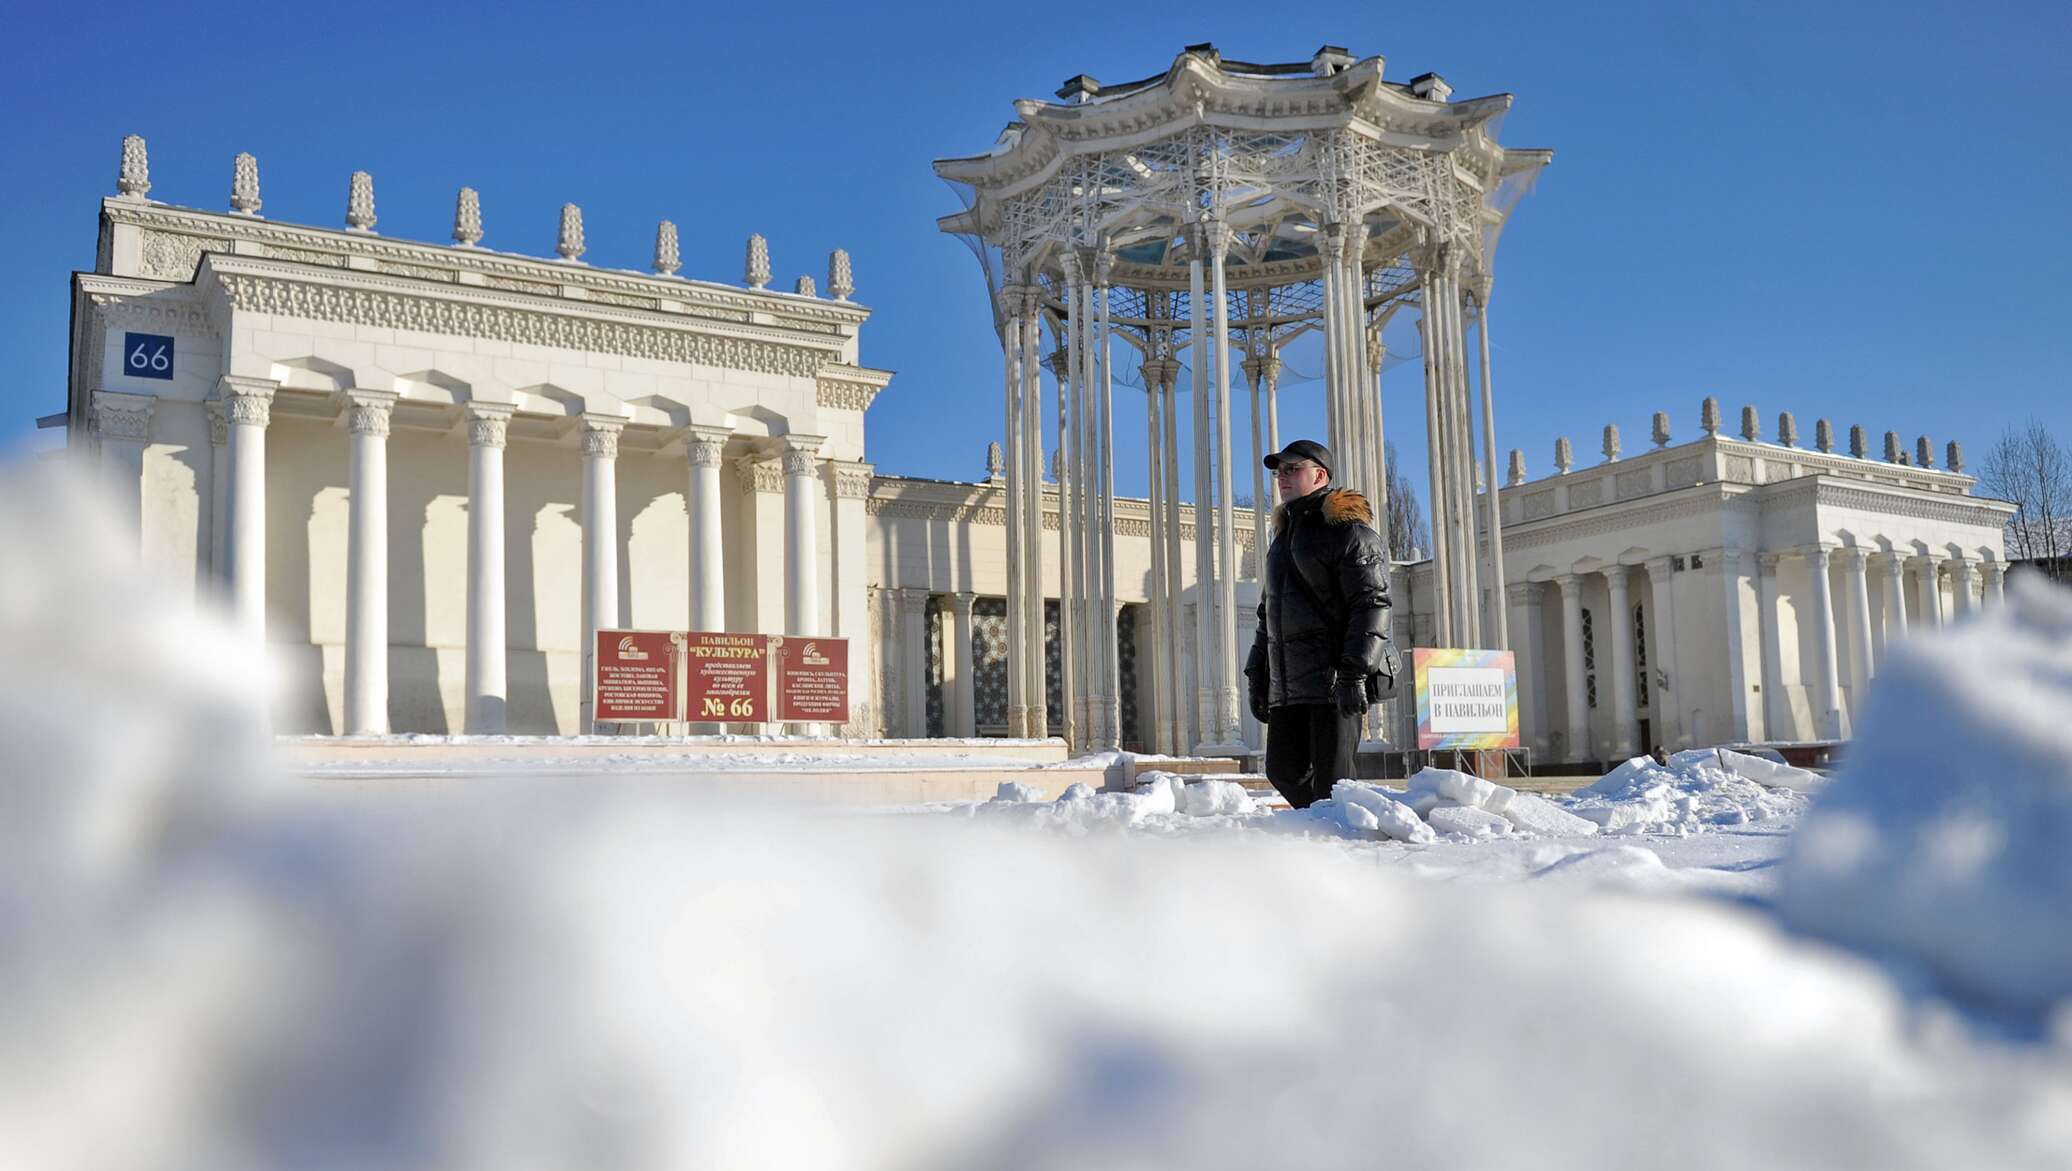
x,y
636,678
729,678
812,680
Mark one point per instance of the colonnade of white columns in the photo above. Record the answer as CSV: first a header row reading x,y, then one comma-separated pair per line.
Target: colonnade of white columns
x,y
238,529
1831,621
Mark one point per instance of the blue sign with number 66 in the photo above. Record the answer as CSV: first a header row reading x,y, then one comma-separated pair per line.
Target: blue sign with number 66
x,y
147,355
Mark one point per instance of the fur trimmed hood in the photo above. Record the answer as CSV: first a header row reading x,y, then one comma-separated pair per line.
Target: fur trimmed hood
x,y
1345,506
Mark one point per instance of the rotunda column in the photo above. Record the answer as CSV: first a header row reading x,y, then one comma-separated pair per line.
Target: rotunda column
x,y
248,402
487,686
962,697
1894,583
1662,649
1012,299
1928,583
1776,712
123,424
1854,563
1498,634
1228,730
1183,708
1996,584
366,564
704,449
801,537
1963,586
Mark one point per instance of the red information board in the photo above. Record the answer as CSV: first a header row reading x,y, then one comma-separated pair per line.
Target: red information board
x,y
635,677
812,680
728,678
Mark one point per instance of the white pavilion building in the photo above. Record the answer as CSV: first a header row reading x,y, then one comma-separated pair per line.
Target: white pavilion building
x,y
428,472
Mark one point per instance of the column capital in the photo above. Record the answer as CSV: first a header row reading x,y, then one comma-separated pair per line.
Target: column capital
x,y
488,424
852,479
1331,242
1772,559
1926,562
800,454
1262,368
1215,237
759,474
910,600
249,401
600,434
1658,566
1966,566
704,446
219,421
1817,553
1068,263
1012,297
123,417
1994,570
1571,585
1522,593
1615,575
1895,562
366,412
1855,557
962,602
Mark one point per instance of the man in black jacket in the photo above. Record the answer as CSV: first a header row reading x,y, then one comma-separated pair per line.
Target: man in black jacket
x,y
1323,625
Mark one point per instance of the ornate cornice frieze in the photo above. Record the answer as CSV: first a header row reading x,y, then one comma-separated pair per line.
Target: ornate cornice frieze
x,y
121,302
1937,507
123,418
197,231
852,481
843,387
390,308
1612,520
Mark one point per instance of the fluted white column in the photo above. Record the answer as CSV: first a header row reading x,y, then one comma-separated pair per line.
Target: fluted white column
x,y
704,450
1492,509
1928,580
1257,569
1996,584
1159,611
366,564
599,435
1827,703
1207,723
913,646
1737,566
248,402
488,690
1856,582
1775,709
1224,622
1625,717
1033,653
1104,528
1182,709
960,692
1895,586
1575,681
1072,388
801,537
1529,654
1668,706
123,424
1963,586
219,494
1011,299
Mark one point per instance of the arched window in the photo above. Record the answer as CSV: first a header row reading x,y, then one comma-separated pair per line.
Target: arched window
x,y
1589,660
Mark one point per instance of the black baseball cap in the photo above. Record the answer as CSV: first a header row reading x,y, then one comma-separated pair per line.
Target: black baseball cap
x,y
1308,449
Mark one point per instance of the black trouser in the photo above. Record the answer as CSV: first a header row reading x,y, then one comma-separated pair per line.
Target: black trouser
x,y
1309,746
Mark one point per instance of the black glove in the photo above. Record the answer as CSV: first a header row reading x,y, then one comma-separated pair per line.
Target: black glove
x,y
1260,709
1351,693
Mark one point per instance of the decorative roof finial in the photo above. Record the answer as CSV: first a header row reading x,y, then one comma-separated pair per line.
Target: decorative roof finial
x,y
996,466
804,287
133,181
244,185
1611,443
1787,429
1708,416
1516,472
467,218
1751,424
1824,436
570,244
1564,456
1893,454
757,274
1661,429
668,257
841,278
1924,453
1953,456
359,203
1859,443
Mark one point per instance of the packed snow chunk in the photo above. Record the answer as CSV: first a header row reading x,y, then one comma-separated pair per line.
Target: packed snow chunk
x,y
1076,791
1461,788
1157,793
1394,818
1467,821
1639,773
1016,793
1625,865
1768,773
1944,837
1693,793
1537,815
1359,817
1213,798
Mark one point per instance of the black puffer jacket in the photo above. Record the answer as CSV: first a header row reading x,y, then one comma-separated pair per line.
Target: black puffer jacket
x,y
1340,621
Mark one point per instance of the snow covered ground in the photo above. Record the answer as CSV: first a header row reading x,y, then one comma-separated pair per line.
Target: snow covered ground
x,y
208,964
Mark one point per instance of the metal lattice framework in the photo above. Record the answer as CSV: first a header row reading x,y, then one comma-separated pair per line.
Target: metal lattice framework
x,y
1225,208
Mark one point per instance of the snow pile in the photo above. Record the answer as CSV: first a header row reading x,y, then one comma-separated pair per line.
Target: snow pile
x,y
1945,837
1698,790
1444,801
1158,798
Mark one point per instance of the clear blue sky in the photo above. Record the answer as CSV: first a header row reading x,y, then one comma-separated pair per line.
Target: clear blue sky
x,y
1852,210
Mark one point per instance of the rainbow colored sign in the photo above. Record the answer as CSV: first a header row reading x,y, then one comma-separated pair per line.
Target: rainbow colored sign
x,y
1466,698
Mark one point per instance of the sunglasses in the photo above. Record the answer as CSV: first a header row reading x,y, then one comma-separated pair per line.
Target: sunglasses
x,y
1289,469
